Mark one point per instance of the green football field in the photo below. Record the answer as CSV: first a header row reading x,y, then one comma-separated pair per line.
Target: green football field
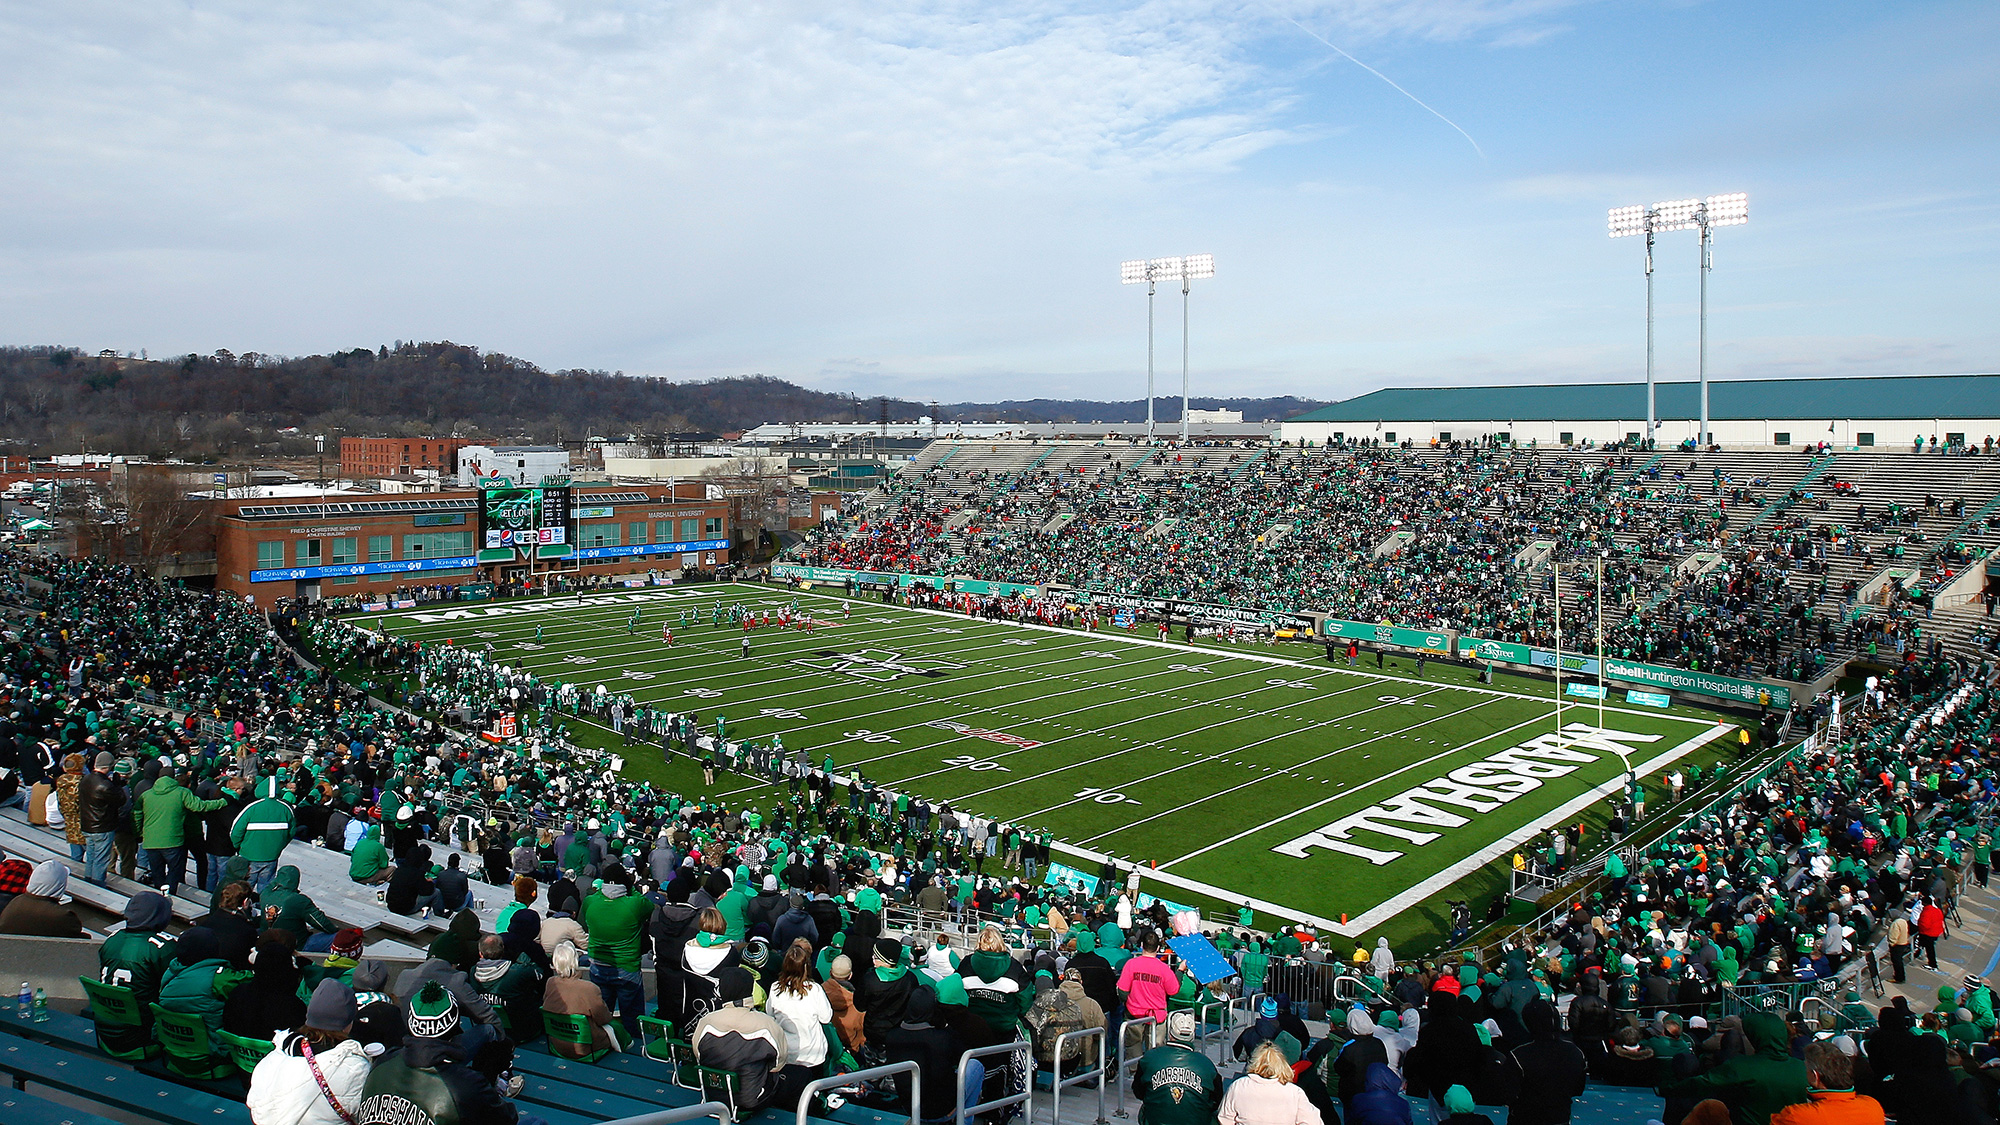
x,y
1254,772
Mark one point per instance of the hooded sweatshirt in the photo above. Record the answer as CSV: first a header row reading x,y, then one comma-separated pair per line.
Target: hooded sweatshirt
x,y
1553,1070
297,914
995,992
1755,1086
264,827
369,857
1381,1100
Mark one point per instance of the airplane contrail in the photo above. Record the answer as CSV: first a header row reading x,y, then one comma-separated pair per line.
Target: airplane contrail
x,y
1392,83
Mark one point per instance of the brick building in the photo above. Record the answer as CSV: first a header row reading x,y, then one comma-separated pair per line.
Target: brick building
x,y
267,550
391,457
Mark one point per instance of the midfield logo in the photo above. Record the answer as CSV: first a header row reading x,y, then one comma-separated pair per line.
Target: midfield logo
x,y
876,664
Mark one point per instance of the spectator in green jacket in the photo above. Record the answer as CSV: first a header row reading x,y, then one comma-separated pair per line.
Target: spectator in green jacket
x,y
199,980
286,908
261,832
513,986
732,904
370,862
1754,1086
616,919
159,815
137,957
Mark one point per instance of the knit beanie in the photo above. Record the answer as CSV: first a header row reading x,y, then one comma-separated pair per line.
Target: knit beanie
x,y
331,1007
433,1013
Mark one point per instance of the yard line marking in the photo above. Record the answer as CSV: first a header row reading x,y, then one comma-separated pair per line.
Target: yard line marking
x,y
1279,660
1291,702
1256,780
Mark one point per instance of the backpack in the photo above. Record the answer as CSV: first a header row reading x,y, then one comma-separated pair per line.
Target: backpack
x,y
1053,1014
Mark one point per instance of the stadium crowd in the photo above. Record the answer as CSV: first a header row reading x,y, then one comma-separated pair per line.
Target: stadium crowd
x,y
152,725
1311,530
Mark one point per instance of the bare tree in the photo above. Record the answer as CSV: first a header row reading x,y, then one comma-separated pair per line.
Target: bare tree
x,y
162,517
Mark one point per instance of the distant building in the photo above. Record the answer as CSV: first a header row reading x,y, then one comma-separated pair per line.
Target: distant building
x,y
344,545
393,457
525,465
1856,412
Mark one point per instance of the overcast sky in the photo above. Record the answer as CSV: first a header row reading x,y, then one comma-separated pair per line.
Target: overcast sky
x,y
932,200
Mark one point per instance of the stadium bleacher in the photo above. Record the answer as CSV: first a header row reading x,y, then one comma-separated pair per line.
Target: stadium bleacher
x,y
1784,540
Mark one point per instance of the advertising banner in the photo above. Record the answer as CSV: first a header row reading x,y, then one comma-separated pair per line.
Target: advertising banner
x,y
1437,643
651,549
1507,652
1700,683
1649,699
1208,613
1584,691
356,570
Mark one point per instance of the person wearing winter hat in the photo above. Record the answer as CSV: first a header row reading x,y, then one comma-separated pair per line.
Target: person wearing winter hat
x,y
736,1037
314,1075
923,1036
137,957
261,831
341,957
430,1078
1175,1084
37,911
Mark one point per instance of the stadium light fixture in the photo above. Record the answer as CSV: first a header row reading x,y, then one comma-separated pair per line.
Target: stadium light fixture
x,y
1731,210
1185,269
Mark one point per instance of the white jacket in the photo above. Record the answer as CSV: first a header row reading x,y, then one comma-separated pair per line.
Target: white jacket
x,y
282,1090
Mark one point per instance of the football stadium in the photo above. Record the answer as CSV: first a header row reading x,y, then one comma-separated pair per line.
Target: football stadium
x,y
1538,667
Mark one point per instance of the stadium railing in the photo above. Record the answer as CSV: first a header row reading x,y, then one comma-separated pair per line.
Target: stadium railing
x,y
867,1075
1092,1074
1017,1050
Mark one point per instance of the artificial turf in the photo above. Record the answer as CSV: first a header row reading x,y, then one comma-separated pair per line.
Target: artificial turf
x,y
1198,758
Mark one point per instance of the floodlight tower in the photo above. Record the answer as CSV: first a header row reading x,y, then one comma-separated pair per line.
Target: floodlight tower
x,y
1681,214
1193,266
1148,270
1639,220
1186,269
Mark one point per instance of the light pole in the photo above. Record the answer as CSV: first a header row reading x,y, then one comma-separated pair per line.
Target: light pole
x,y
1680,214
1639,220
1191,267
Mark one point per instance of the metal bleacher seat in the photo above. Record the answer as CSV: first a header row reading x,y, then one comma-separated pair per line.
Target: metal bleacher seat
x,y
99,1080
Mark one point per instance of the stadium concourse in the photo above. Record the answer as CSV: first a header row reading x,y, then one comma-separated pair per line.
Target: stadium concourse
x,y
169,737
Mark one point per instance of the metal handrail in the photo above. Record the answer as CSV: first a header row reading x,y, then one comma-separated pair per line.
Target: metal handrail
x,y
868,1075
670,1116
1057,1082
1027,1091
1141,1023
1221,1033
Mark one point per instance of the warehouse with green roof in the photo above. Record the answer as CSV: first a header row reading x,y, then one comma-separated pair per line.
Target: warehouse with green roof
x,y
1887,411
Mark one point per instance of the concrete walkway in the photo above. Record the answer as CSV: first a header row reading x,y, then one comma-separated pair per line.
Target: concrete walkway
x,y
1970,947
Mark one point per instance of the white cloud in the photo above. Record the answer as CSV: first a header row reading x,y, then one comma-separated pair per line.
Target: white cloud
x,y
884,195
